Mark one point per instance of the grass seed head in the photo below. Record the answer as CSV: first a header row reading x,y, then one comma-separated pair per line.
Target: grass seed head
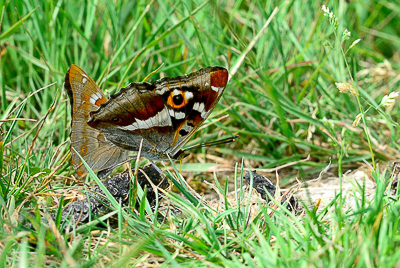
x,y
389,100
357,120
347,88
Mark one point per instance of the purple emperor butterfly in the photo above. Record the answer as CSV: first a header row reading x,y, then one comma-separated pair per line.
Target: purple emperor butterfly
x,y
164,114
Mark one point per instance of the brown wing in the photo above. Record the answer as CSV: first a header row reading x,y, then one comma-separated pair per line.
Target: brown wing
x,y
133,115
85,97
190,100
164,114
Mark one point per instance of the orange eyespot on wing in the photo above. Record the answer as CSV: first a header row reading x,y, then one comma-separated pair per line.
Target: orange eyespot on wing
x,y
191,99
177,99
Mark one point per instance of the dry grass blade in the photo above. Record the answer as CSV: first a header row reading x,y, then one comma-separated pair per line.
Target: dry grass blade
x,y
240,61
25,99
153,72
48,179
18,119
322,173
40,122
221,168
41,125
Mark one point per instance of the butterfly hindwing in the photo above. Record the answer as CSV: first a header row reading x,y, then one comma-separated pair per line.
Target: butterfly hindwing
x,y
190,100
164,114
134,114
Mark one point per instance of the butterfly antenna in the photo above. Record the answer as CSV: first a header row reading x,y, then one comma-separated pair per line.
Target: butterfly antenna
x,y
213,143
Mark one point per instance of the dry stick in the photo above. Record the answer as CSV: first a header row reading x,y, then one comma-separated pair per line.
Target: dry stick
x,y
153,72
299,184
22,102
151,182
277,188
277,196
50,194
216,190
251,45
160,189
138,158
155,187
285,165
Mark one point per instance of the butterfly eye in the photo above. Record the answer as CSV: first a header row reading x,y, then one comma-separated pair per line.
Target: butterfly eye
x,y
177,99
115,119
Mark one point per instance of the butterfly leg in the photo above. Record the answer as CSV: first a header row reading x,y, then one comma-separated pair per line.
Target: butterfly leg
x,y
102,174
156,167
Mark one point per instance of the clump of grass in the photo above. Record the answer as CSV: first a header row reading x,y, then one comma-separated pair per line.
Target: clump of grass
x,y
233,234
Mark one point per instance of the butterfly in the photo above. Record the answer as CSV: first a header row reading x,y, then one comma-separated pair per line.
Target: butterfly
x,y
162,115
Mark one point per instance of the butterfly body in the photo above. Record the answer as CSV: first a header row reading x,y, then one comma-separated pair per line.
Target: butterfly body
x,y
162,116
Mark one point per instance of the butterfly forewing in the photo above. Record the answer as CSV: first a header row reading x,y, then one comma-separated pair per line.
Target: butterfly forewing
x,y
91,144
